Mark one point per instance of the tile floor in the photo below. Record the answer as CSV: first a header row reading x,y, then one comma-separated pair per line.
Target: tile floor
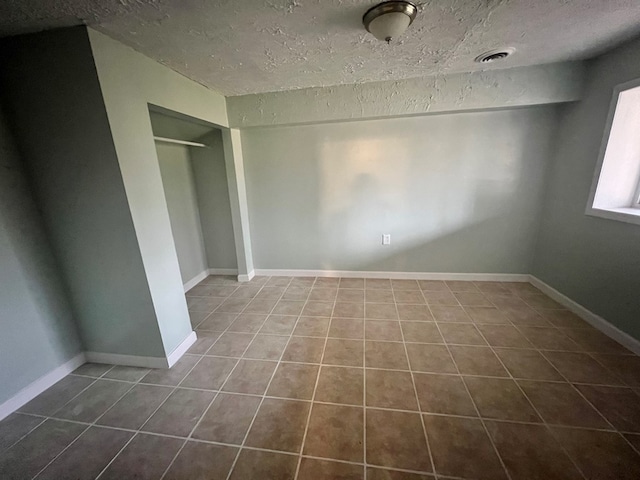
x,y
348,379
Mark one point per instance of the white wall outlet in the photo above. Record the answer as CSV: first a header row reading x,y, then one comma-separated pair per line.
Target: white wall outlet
x,y
386,239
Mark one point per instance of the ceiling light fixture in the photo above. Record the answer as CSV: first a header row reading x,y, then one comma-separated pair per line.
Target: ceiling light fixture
x,y
388,20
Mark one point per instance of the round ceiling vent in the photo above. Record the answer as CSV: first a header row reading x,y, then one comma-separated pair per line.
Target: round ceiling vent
x,y
495,55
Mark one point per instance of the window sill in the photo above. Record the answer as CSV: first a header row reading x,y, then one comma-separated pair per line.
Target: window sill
x,y
627,215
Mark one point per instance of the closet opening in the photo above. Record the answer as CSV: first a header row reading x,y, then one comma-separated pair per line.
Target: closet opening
x,y
192,165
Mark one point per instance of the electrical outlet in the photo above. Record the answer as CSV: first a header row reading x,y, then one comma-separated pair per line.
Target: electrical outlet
x,y
386,239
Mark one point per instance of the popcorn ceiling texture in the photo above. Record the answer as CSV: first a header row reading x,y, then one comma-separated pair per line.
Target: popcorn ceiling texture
x,y
251,46
516,87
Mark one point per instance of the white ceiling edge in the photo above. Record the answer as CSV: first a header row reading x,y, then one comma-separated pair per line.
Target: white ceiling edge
x,y
516,87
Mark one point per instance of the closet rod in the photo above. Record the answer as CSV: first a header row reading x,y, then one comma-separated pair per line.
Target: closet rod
x,y
179,142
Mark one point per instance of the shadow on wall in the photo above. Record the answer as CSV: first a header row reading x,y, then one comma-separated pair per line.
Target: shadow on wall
x,y
453,194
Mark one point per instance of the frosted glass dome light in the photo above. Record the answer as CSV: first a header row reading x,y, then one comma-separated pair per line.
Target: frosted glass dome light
x,y
389,20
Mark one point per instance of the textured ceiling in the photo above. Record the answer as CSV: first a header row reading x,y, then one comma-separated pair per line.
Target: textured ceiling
x,y
250,46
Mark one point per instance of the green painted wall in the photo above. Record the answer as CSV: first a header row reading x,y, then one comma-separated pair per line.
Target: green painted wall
x,y
182,203
457,192
594,261
212,191
38,330
54,101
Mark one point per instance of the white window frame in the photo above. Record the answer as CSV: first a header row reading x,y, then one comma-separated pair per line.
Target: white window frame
x,y
630,211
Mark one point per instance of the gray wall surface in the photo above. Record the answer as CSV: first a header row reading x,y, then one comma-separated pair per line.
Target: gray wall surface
x,y
594,261
210,175
180,193
457,192
54,99
38,331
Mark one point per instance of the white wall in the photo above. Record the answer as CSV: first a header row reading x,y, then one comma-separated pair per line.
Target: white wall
x,y
457,192
594,261
38,329
182,204
212,190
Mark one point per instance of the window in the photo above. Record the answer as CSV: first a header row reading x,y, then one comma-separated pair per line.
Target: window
x,y
615,193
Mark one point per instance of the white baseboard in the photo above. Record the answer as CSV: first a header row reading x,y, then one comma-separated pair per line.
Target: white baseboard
x,y
40,385
181,349
588,316
247,277
195,280
127,360
223,271
477,277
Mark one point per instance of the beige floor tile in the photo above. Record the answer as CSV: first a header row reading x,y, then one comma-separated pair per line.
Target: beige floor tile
x,y
504,336
444,394
600,454
530,452
486,315
218,321
266,347
261,305
247,323
60,393
619,405
376,283
409,296
477,361
319,294
204,342
414,312
288,307
383,474
15,426
527,364
396,440
381,311
421,332
173,375
352,328
624,366
312,327
389,389
296,293
461,334
472,299
385,355
549,338
279,425
561,404
294,380
179,413
343,352
441,299
210,373
433,286
279,324
348,310
350,295
343,385
430,358
500,399
264,465
202,460
336,432
228,419
250,376
352,283
383,330
304,349
524,315
314,469
133,410
146,456
231,344
450,314
462,448
592,340
318,309
379,296
93,401
88,455
580,367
